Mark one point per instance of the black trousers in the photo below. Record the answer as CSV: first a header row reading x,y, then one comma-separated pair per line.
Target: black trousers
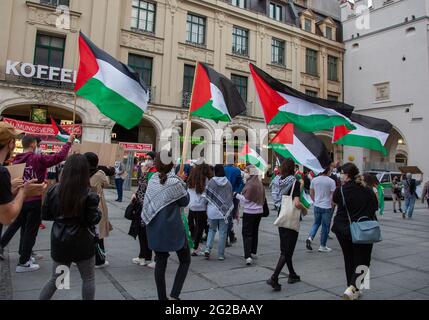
x,y
198,219
98,259
161,259
29,221
250,233
145,252
288,240
355,256
230,232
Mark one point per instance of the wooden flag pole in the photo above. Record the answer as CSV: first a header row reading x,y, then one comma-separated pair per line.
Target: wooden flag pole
x,y
188,129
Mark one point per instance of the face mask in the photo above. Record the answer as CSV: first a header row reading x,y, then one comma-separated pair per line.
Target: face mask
x,y
148,163
246,176
38,150
343,178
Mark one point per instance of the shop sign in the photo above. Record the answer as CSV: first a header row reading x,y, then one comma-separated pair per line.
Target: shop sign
x,y
29,70
42,129
141,147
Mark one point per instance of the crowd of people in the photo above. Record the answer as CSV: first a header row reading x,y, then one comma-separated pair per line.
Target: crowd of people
x,y
214,197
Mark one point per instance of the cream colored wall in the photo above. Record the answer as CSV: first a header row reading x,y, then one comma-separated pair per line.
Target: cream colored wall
x,y
107,23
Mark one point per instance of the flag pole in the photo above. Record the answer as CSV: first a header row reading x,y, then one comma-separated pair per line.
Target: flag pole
x,y
188,128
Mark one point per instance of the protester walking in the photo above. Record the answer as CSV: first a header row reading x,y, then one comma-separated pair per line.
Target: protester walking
x,y
220,205
410,195
396,194
75,212
354,201
197,182
290,186
252,200
120,176
321,190
138,228
99,181
234,176
165,196
29,220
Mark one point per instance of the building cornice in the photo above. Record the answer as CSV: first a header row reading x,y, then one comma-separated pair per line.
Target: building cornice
x,y
32,4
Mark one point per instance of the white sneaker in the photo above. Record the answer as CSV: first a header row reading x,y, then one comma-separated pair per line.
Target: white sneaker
x,y
106,263
351,293
249,261
139,261
151,265
28,267
325,249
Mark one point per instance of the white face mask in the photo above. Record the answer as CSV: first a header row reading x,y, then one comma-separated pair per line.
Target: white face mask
x,y
246,176
38,150
148,163
343,178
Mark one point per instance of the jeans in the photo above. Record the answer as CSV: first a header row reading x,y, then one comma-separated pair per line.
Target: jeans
x,y
29,221
119,182
87,273
409,205
145,252
288,240
199,222
321,217
250,233
161,259
355,255
223,230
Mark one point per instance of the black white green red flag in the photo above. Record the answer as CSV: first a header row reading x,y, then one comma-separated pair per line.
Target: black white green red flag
x,y
282,104
60,133
302,147
116,89
370,133
251,156
214,96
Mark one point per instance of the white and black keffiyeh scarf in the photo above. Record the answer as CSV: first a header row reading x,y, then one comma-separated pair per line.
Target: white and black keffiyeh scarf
x,y
220,197
158,195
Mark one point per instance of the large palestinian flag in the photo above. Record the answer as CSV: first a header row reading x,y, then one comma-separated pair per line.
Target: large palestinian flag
x,y
214,96
116,90
370,133
302,147
282,104
251,156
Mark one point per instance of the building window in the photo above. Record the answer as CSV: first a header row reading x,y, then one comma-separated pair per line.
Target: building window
x,y
332,68
55,3
196,29
143,16
276,11
142,65
241,84
239,3
311,62
49,51
278,51
307,25
240,41
332,97
329,33
188,82
311,93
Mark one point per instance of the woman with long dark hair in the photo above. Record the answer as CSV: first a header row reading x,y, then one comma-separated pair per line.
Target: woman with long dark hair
x,y
197,182
354,201
74,209
287,185
165,196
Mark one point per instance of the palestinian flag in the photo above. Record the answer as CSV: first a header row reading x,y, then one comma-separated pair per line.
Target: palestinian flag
x,y
305,199
214,96
251,156
282,104
370,133
60,133
116,90
302,147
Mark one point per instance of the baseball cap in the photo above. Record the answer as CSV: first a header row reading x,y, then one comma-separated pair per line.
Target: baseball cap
x,y
8,132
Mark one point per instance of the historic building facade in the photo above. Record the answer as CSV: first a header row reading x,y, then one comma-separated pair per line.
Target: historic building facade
x,y
163,40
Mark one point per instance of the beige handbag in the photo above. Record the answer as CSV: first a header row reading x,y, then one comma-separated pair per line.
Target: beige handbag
x,y
289,214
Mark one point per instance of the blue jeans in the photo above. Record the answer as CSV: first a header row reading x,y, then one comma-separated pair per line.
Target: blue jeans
x,y
119,187
409,205
223,231
321,217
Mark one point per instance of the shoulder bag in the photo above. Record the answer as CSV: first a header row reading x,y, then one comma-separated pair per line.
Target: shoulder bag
x,y
363,232
289,215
